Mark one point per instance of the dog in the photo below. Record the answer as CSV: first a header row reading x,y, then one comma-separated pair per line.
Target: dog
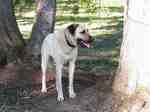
x,y
62,46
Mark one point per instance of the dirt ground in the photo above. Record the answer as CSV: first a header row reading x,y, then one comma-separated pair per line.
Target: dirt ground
x,y
92,96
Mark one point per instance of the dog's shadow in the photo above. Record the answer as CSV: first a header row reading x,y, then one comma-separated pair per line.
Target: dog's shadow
x,y
79,85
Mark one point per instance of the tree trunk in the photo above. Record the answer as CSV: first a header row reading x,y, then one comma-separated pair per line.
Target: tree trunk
x,y
11,38
45,20
132,82
11,43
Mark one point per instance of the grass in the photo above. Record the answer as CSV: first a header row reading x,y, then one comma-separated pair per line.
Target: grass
x,y
101,64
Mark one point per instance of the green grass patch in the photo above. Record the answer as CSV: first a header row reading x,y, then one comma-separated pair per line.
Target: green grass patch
x,y
103,64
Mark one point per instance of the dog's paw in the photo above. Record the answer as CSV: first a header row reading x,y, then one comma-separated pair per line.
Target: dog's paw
x,y
72,95
60,98
44,90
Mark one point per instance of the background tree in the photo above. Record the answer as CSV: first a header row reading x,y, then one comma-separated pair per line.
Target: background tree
x,y
13,49
45,20
11,38
132,82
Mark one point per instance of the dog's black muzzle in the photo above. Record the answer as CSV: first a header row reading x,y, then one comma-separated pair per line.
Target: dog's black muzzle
x,y
85,43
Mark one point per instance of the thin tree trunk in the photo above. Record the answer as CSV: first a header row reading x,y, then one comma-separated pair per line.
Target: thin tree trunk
x,y
45,20
10,36
132,82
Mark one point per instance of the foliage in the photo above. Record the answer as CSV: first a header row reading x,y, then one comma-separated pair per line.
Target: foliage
x,y
89,5
74,6
24,2
69,5
85,2
20,4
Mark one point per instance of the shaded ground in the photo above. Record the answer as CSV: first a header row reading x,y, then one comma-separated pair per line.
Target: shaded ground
x,y
104,94
89,95
29,99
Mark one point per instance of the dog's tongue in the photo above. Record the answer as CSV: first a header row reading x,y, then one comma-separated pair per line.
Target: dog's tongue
x,y
86,44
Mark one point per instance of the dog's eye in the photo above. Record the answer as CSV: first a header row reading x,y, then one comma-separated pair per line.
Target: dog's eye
x,y
83,31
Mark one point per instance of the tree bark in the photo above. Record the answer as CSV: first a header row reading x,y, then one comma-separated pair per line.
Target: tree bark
x,y
10,36
45,20
132,82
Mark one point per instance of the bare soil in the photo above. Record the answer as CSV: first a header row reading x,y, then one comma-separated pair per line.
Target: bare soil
x,y
92,96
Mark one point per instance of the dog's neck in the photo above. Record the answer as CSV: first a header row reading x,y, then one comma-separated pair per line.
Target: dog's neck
x,y
69,41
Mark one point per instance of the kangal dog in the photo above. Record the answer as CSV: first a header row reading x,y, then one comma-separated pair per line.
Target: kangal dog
x,y
62,46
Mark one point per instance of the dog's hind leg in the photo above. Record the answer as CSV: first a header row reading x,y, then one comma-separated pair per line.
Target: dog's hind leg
x,y
60,96
71,78
44,63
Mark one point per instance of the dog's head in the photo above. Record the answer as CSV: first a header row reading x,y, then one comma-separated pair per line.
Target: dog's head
x,y
80,32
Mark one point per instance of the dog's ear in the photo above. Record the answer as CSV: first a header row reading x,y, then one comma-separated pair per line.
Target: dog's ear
x,y
72,28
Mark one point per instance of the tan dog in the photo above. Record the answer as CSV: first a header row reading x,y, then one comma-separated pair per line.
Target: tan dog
x,y
62,46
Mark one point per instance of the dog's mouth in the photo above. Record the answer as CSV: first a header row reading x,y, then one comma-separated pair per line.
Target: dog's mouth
x,y
84,44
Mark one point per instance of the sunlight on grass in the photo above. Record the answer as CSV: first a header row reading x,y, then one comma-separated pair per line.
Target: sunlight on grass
x,y
25,29
111,3
25,22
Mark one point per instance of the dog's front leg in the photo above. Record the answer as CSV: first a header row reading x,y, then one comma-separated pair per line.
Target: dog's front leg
x,y
60,96
71,78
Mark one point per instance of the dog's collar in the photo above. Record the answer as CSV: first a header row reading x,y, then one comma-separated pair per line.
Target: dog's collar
x,y
68,43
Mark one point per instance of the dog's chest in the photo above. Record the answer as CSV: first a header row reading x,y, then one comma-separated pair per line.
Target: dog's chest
x,y
69,55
